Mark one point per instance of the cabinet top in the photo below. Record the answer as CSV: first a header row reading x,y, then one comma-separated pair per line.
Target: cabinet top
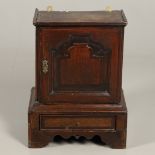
x,y
79,18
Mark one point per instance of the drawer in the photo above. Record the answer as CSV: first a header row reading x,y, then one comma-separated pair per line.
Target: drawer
x,y
76,122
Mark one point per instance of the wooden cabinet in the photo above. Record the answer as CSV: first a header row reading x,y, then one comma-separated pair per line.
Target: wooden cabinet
x,y
78,77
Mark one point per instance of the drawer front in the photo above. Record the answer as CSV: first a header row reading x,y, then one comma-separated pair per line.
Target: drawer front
x,y
79,64
76,122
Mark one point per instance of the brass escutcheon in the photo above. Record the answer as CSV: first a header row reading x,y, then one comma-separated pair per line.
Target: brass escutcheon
x,y
45,66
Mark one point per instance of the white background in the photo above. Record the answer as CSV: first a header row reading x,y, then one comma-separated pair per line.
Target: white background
x,y
17,55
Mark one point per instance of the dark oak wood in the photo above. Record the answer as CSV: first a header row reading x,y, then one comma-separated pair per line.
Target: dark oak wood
x,y
78,89
96,74
105,120
84,18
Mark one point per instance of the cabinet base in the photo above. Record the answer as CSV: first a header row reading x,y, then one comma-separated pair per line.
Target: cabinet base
x,y
108,121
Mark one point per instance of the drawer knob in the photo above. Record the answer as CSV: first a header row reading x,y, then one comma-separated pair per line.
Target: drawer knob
x,y
78,124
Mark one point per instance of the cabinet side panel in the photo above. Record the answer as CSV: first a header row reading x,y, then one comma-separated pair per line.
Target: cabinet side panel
x,y
120,63
38,58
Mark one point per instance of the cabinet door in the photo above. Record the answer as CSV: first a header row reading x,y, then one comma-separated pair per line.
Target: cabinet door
x,y
79,64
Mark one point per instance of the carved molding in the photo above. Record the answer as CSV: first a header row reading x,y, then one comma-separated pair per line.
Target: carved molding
x,y
98,50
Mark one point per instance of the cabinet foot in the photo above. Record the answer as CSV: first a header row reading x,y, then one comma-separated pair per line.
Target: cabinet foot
x,y
116,140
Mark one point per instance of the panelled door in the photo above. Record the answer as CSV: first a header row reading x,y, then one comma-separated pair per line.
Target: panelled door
x,y
79,64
